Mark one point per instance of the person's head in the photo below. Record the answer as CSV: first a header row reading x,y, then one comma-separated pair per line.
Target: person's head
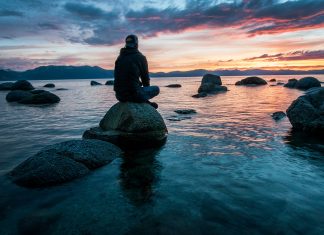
x,y
131,41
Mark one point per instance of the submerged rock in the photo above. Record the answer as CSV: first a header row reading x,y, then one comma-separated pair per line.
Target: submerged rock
x,y
6,86
32,97
306,113
94,83
63,162
110,82
185,111
173,85
254,81
50,85
130,125
22,85
307,82
278,115
291,83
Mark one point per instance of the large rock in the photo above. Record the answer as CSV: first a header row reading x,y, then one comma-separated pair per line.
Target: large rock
x,y
251,81
130,125
307,112
211,78
291,83
63,162
6,86
32,97
211,84
307,82
22,85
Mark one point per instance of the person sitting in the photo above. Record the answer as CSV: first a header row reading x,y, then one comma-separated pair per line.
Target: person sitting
x,y
132,81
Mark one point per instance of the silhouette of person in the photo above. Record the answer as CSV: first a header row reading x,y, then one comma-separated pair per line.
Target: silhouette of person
x,y
132,81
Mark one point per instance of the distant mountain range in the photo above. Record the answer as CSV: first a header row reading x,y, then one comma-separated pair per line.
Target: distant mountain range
x,y
87,72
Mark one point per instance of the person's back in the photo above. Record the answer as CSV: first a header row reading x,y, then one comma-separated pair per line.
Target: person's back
x,y
130,67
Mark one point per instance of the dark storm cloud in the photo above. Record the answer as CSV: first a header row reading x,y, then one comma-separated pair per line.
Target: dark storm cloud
x,y
108,22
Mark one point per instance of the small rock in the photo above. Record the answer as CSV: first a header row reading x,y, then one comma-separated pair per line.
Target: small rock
x,y
256,81
110,82
272,80
6,86
185,111
291,83
280,83
199,95
22,85
94,83
278,115
173,85
62,89
49,85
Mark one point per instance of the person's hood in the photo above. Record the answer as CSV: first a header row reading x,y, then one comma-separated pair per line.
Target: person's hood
x,y
126,51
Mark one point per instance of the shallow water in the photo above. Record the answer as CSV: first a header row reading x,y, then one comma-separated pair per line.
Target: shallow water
x,y
229,169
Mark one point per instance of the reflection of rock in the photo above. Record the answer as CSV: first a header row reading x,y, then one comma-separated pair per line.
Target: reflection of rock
x,y
307,82
291,83
173,85
130,125
22,85
185,111
63,162
307,112
278,115
254,81
32,97
138,174
6,86
49,85
110,82
94,83
305,140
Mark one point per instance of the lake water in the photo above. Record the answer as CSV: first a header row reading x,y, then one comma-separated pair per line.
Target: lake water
x,y
229,169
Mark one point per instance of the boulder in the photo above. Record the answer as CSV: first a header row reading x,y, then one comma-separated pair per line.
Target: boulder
x,y
251,81
49,85
63,162
307,82
211,84
32,97
291,83
173,85
199,95
306,113
15,96
211,78
94,83
130,125
22,85
110,82
6,86
278,115
272,80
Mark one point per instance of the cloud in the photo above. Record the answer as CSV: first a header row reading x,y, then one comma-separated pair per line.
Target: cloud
x,y
290,56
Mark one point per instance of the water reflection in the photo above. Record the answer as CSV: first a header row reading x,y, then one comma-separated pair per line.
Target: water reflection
x,y
139,174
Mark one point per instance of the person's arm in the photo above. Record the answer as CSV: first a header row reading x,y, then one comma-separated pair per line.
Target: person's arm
x,y
145,77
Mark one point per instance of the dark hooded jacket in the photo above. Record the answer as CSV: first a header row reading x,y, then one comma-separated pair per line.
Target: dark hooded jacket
x,y
131,72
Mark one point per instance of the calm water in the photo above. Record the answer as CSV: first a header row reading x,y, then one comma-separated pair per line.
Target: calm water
x,y
230,169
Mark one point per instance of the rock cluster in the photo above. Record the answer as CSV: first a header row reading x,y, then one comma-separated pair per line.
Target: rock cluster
x,y
303,83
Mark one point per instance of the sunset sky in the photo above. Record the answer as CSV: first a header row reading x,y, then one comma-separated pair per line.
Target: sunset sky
x,y
173,34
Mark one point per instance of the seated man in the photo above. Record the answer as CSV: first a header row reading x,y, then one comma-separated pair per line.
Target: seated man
x,y
132,81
